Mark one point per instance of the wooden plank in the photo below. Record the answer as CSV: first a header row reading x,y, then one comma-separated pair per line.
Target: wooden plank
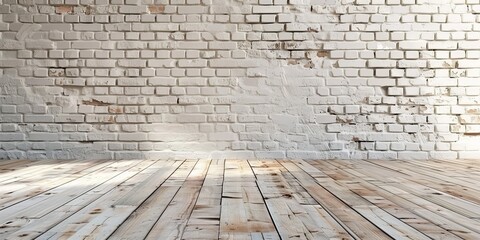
x,y
201,231
173,221
23,190
67,200
327,224
12,164
36,206
460,165
382,219
408,201
444,199
233,220
244,213
450,170
204,222
147,214
357,225
57,197
127,200
44,171
395,166
34,168
277,182
160,172
292,219
372,193
447,202
102,217
451,224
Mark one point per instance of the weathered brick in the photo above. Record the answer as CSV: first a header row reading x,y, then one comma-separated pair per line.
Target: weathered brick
x,y
87,27
70,118
7,44
62,9
12,136
39,44
94,63
11,63
237,63
267,9
132,9
156,8
191,118
132,137
39,118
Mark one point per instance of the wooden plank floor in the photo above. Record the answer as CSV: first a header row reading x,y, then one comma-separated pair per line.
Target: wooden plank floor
x,y
239,199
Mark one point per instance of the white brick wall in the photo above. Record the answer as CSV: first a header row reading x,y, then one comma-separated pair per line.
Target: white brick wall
x,y
317,79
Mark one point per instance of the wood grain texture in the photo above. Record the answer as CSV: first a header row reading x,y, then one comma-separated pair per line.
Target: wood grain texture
x,y
239,199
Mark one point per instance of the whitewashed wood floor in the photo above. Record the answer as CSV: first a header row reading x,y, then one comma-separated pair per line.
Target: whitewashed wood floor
x,y
239,199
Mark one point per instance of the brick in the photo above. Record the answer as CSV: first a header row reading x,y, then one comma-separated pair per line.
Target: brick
x,y
101,136
191,9
176,137
132,63
267,9
469,45
222,45
70,118
131,45
100,63
239,63
442,45
382,63
412,45
225,136
161,63
352,63
133,137
92,118
11,63
254,136
195,63
70,82
156,8
34,136
39,44
39,118
191,118
63,9
132,9
468,63
413,155
7,44
87,27
86,44
163,100
12,136
322,118
469,119
270,154
133,100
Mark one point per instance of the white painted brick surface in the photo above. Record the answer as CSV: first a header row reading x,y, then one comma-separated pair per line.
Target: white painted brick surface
x,y
364,79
